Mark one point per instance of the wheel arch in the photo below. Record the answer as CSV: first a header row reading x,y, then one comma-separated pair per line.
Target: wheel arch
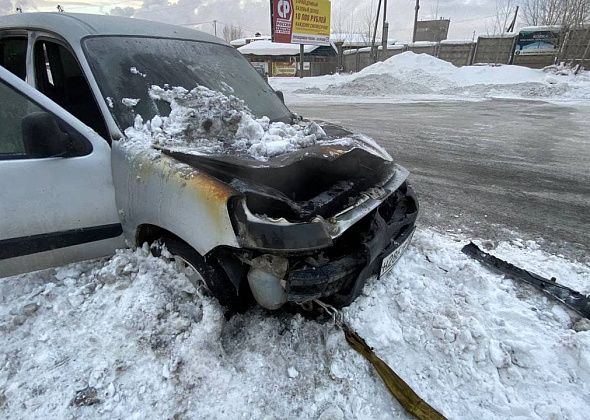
x,y
150,233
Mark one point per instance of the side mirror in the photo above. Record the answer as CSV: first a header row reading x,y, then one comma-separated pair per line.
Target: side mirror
x,y
280,95
42,136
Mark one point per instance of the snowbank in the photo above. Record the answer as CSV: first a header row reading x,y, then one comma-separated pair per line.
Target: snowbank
x,y
130,337
421,74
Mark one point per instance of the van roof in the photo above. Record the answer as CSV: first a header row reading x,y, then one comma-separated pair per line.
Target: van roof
x,y
75,26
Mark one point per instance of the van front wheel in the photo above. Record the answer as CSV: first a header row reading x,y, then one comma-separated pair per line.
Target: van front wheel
x,y
203,274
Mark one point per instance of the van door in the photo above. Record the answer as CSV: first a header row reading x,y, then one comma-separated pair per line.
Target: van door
x,y
57,200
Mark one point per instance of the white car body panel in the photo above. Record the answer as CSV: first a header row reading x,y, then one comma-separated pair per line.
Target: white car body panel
x,y
45,196
165,193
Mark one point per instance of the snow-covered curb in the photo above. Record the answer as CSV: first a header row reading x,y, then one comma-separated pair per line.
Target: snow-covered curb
x,y
471,343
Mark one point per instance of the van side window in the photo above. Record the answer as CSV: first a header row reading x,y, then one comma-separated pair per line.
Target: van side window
x,y
13,55
59,77
28,131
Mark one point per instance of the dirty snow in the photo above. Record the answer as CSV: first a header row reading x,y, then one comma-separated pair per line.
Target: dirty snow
x,y
203,121
421,76
129,337
133,70
129,102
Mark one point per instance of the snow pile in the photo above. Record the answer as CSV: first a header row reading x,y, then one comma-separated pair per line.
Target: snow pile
x,y
203,121
130,337
421,74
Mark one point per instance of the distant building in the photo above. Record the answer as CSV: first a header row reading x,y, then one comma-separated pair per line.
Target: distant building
x,y
276,59
432,30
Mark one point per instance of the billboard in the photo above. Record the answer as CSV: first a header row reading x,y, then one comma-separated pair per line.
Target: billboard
x,y
538,41
432,30
301,21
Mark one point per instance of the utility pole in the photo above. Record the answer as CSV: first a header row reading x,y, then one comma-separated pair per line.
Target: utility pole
x,y
301,58
215,27
385,32
373,53
416,20
511,27
579,66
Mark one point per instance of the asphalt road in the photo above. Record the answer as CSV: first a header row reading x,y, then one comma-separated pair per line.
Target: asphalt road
x,y
497,169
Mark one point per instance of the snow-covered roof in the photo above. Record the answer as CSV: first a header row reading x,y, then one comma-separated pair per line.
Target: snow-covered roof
x,y
456,41
393,47
266,47
423,44
502,35
377,46
541,28
356,39
243,41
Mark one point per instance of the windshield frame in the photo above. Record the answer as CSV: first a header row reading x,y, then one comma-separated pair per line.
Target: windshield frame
x,y
289,116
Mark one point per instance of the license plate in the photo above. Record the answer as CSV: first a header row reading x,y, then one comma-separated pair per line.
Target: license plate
x,y
390,260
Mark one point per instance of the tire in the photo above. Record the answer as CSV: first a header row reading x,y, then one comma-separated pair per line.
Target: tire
x,y
210,273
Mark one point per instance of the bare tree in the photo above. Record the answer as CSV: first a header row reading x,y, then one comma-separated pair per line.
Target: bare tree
x,y
504,13
367,21
343,24
569,13
231,32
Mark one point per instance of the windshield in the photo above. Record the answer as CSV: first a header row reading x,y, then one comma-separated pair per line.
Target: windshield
x,y
126,67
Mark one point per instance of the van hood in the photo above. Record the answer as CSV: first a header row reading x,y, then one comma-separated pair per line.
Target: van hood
x,y
318,180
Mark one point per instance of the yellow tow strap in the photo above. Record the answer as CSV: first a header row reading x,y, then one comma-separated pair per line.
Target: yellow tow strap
x,y
396,385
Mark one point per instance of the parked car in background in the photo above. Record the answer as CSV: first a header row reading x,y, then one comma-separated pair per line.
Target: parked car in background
x,y
313,223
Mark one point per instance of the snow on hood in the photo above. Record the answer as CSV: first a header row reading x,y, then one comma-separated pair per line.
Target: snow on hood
x,y
207,122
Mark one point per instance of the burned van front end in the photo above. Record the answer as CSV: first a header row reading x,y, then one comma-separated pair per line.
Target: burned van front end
x,y
314,223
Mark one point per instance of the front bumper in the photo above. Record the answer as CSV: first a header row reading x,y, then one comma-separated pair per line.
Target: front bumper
x,y
355,257
338,273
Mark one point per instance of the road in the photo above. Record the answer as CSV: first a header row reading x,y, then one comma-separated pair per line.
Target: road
x,y
496,169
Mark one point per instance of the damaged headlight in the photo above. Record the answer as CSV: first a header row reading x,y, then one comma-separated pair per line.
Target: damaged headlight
x,y
265,233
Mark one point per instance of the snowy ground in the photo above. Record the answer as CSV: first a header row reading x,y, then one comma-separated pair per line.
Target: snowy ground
x,y
129,337
141,342
411,77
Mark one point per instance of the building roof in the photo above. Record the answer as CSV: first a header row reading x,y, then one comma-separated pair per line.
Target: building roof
x,y
243,41
356,39
75,26
541,28
457,41
423,44
501,35
266,47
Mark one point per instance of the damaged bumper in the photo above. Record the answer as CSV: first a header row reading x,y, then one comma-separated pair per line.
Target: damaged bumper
x,y
337,268
356,256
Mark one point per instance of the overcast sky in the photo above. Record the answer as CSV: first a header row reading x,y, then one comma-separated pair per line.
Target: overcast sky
x,y
253,16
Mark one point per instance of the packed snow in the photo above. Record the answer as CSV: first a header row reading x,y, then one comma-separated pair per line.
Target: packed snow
x,y
205,122
421,76
130,337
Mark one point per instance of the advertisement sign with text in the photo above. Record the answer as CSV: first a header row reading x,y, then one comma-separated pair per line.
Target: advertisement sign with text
x,y
301,21
284,69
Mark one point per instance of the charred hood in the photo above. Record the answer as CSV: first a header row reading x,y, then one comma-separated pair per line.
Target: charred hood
x,y
298,186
